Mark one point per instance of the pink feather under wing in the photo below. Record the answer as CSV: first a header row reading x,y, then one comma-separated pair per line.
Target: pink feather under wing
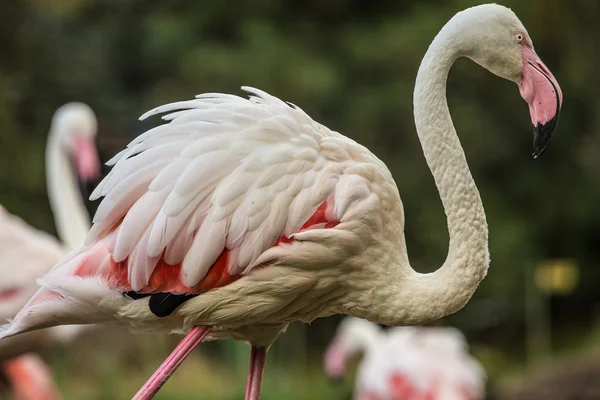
x,y
166,278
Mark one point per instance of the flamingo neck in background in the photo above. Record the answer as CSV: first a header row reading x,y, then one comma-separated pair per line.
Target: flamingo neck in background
x,y
70,215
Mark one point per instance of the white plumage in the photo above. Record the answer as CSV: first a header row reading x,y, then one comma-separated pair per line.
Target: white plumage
x,y
234,174
26,254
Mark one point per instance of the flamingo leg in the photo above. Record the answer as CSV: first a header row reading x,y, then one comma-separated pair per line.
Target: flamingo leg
x,y
168,367
258,357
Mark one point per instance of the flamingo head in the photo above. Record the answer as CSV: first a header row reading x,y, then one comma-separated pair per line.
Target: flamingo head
x,y
353,336
77,125
492,36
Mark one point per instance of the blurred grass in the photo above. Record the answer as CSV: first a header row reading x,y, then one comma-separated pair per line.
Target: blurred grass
x,y
113,364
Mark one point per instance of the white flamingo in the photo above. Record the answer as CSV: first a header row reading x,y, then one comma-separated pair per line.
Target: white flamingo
x,y
240,216
407,363
71,141
457,374
27,253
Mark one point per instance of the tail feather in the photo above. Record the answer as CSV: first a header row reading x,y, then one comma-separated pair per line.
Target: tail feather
x,y
65,299
5,330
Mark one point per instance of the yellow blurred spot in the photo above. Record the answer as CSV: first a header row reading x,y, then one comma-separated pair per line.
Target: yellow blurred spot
x,y
557,276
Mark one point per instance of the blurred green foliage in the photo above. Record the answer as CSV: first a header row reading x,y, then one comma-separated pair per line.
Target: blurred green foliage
x,y
351,65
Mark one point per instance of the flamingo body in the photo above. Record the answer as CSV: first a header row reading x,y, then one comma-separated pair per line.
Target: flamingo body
x,y
408,363
135,257
18,272
27,254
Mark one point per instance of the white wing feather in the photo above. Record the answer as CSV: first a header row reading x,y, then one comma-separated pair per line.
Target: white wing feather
x,y
225,173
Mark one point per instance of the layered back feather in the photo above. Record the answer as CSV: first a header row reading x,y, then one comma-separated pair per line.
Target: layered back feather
x,y
225,174
227,185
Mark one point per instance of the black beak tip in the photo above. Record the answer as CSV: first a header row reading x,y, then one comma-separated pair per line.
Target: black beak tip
x,y
542,135
539,149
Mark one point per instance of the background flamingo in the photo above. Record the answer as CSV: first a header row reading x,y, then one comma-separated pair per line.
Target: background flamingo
x,y
240,216
406,363
27,253
457,374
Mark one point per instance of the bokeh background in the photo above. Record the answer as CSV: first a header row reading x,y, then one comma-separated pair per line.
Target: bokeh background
x,y
351,65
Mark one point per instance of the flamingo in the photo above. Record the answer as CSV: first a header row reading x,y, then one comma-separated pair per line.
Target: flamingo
x,y
456,374
71,138
406,363
27,253
241,215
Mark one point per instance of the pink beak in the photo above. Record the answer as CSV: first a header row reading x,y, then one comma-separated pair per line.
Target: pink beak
x,y
335,361
540,90
86,157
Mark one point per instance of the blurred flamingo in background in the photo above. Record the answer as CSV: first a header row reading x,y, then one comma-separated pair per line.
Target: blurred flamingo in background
x,y
27,253
71,155
407,363
30,378
456,374
240,215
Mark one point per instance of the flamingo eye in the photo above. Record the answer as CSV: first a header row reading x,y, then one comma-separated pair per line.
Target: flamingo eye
x,y
520,37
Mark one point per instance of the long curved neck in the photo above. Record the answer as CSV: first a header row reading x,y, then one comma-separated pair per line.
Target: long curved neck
x,y
368,339
420,297
70,215
451,286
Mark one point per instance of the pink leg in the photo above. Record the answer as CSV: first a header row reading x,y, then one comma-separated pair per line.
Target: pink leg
x,y
168,367
255,372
